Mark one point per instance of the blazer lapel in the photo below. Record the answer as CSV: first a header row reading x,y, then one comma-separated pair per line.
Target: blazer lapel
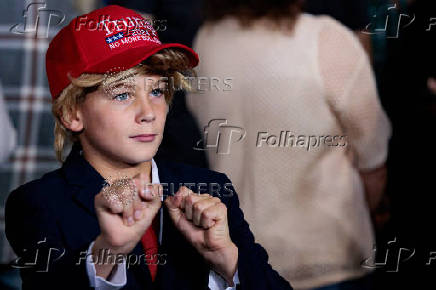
x,y
86,181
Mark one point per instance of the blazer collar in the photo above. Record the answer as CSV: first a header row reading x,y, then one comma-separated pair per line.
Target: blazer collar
x,y
78,170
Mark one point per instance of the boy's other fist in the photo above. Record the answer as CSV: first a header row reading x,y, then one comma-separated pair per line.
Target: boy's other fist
x,y
202,219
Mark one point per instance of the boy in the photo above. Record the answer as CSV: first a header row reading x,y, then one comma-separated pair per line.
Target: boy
x,y
112,217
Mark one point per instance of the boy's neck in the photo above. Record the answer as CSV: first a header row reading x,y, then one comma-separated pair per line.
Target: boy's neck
x,y
112,170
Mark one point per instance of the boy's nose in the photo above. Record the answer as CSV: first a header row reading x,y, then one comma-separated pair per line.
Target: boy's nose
x,y
145,111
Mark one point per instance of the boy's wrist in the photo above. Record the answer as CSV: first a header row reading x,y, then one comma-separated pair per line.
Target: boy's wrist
x,y
108,265
102,268
226,263
101,244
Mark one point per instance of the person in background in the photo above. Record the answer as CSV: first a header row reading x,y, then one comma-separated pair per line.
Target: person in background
x,y
310,166
431,84
353,14
8,140
8,135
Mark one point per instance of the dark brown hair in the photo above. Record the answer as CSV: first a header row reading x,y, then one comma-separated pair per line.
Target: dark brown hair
x,y
246,11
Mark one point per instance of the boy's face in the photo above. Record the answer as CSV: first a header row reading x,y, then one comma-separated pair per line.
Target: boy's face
x,y
124,121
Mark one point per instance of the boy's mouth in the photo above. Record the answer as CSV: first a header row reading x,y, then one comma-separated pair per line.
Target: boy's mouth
x,y
144,137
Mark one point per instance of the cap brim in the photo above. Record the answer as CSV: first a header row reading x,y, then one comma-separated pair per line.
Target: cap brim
x,y
133,56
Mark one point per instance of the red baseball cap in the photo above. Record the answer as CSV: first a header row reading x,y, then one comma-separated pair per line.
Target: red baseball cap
x,y
110,39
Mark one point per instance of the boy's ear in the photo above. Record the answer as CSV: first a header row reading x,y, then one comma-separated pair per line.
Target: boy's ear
x,y
73,121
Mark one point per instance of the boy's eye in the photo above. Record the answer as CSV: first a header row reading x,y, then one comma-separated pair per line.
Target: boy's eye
x,y
156,92
122,97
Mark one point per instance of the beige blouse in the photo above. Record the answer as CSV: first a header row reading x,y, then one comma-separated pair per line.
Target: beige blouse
x,y
305,108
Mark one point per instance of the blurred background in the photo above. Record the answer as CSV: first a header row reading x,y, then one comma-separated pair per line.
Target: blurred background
x,y
398,37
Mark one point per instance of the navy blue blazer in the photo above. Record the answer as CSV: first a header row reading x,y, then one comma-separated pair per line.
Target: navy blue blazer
x,y
50,223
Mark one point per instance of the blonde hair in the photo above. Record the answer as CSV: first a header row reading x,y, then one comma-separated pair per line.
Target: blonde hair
x,y
170,62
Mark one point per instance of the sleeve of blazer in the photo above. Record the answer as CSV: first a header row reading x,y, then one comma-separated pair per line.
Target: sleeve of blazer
x,y
43,259
254,270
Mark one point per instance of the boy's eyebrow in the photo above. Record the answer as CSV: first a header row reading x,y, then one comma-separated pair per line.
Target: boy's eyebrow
x,y
115,85
121,80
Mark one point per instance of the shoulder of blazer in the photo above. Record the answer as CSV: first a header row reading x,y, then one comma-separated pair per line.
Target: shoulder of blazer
x,y
29,210
46,189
